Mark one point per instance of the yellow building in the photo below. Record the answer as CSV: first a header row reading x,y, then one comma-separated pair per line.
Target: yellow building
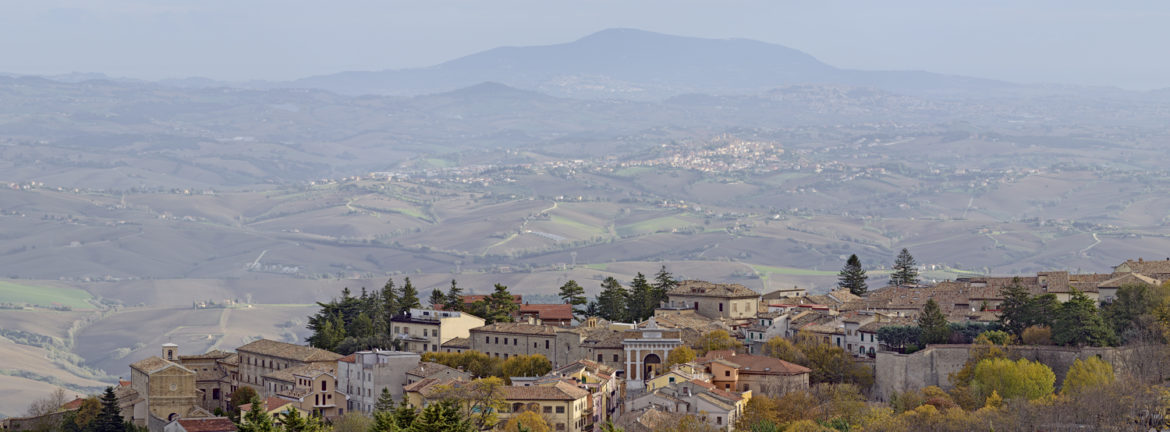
x,y
262,357
677,374
425,330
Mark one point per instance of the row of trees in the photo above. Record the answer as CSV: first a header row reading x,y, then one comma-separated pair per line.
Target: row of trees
x,y
1075,322
637,303
853,278
1008,395
482,365
348,324
1136,316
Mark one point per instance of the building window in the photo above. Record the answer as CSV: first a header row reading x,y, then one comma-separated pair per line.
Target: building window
x,y
560,410
515,341
545,344
560,426
726,373
498,339
718,420
615,357
487,339
505,341
720,307
599,358
323,385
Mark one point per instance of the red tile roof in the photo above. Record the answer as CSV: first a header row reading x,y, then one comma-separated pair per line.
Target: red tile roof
x,y
749,363
352,358
549,312
73,404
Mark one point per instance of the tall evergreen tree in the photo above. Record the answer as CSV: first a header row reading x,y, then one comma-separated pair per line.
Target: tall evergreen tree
x,y
408,298
1078,323
437,299
641,304
933,323
362,326
573,295
385,401
852,277
442,416
454,298
1014,311
389,300
501,304
257,420
663,283
905,270
404,415
611,303
110,418
592,309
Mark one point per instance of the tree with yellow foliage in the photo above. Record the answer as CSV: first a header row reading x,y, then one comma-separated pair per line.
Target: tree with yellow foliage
x,y
1091,373
680,355
716,340
1021,378
527,421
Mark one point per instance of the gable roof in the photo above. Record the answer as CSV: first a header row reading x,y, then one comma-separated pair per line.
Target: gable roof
x,y
691,288
754,364
154,364
551,312
1127,279
560,391
289,351
213,354
1142,266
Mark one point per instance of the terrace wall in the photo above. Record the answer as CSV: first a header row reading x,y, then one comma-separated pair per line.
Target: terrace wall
x,y
932,366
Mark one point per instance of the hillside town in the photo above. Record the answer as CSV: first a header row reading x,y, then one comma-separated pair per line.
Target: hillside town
x,y
695,361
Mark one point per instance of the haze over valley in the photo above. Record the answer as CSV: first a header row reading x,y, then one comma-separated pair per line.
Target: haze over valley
x,y
220,212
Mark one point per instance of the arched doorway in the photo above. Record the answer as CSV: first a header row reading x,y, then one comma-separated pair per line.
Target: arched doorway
x,y
650,366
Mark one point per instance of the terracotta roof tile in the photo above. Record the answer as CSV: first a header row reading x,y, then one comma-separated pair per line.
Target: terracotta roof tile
x,y
517,328
708,289
757,364
290,351
549,312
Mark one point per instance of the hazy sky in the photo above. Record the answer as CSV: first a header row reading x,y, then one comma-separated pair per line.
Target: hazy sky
x,y
1116,43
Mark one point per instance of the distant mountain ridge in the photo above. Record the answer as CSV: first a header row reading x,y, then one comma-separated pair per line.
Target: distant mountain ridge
x,y
639,64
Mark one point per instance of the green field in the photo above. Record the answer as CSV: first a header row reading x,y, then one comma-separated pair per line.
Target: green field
x,y
764,270
44,296
653,225
570,223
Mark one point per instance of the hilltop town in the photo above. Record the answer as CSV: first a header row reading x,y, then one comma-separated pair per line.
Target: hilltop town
x,y
701,356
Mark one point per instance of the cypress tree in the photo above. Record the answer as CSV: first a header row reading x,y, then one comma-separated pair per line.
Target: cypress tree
x,y
852,277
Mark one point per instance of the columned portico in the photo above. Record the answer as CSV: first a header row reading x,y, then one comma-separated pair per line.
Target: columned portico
x,y
646,351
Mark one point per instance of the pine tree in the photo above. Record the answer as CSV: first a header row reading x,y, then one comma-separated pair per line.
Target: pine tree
x,y
573,295
442,416
1078,323
663,283
110,418
501,304
257,420
905,270
361,327
592,309
852,277
454,298
1014,311
389,300
933,323
385,401
295,421
408,298
404,415
437,299
384,422
640,306
611,303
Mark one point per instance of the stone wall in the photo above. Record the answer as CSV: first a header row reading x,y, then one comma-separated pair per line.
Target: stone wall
x,y
932,366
